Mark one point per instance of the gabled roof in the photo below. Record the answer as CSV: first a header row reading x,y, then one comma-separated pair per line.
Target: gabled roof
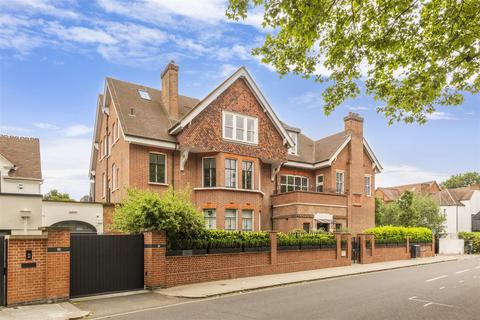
x,y
390,194
461,194
150,118
24,154
445,198
240,73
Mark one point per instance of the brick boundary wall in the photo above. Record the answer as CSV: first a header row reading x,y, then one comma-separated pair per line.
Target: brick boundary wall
x,y
382,254
201,268
46,276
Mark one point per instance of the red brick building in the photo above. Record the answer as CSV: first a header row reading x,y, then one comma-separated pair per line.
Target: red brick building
x,y
247,169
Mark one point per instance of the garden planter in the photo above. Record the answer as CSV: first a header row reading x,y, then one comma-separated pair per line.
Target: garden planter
x,y
309,247
224,250
256,249
171,253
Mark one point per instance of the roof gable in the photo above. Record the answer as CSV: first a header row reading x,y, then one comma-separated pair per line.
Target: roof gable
x,y
240,73
24,154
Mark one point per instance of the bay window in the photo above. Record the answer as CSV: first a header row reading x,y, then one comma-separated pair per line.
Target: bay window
x,y
247,220
247,175
210,218
293,183
209,172
230,173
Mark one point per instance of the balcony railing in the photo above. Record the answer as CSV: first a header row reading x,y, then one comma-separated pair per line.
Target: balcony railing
x,y
284,189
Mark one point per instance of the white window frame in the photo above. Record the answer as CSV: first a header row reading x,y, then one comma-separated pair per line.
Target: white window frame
x,y
369,176
114,132
236,219
294,135
203,172
253,174
253,219
236,173
294,185
114,177
166,164
317,184
245,126
214,216
144,94
342,182
105,146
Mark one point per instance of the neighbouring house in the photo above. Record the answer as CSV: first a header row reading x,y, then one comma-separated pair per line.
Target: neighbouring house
x,y
394,193
22,210
247,169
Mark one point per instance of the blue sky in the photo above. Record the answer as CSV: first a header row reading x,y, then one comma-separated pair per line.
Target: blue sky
x,y
54,56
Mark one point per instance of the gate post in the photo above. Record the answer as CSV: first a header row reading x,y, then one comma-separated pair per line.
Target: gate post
x,y
58,264
363,247
273,247
155,263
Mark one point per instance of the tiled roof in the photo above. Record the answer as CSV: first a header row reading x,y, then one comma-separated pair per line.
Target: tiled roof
x,y
461,194
445,198
24,154
151,118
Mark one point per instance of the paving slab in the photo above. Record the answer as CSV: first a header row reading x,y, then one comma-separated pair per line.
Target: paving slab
x,y
51,311
215,288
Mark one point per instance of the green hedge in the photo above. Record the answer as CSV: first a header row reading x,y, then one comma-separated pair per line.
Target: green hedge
x,y
390,234
221,239
474,236
302,238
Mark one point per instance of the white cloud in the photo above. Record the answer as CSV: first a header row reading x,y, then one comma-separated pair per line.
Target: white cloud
x,y
65,164
77,130
440,115
309,100
393,175
227,70
13,130
357,108
46,7
44,125
80,34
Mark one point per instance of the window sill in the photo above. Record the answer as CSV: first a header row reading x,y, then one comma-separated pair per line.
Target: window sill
x,y
228,189
158,183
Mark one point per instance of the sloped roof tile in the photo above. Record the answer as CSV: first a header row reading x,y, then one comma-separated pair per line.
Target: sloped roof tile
x,y
24,153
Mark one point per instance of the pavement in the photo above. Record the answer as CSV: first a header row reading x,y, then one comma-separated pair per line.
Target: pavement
x,y
441,291
215,288
136,303
53,311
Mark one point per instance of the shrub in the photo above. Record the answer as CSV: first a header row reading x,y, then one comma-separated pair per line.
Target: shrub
x,y
391,234
474,237
172,212
302,238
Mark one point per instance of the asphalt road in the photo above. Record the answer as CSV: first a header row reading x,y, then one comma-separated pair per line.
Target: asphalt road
x,y
449,290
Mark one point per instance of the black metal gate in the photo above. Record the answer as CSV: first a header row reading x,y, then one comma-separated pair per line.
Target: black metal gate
x,y
105,263
3,264
355,250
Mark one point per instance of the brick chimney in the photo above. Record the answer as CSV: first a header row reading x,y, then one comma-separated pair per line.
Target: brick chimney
x,y
170,88
354,123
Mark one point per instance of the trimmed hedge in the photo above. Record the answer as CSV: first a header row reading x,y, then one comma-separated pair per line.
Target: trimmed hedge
x,y
392,234
306,239
474,236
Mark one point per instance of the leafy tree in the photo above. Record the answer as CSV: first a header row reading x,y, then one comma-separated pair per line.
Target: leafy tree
x,y
411,210
379,211
55,195
417,54
462,180
172,212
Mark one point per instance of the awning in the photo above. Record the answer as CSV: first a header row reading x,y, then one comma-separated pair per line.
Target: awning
x,y
323,217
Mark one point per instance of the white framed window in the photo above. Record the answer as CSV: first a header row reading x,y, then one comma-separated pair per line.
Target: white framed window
x,y
157,168
114,177
319,183
230,219
105,145
144,94
114,133
294,135
293,183
209,172
104,185
247,220
210,217
247,175
230,173
368,184
340,181
240,128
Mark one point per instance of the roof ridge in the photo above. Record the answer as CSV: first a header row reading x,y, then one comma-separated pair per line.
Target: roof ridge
x,y
19,137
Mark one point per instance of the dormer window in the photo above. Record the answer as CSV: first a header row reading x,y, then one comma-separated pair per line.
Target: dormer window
x,y
294,135
144,94
240,128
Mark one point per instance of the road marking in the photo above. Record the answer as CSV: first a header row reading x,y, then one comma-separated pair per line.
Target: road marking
x,y
462,271
430,303
441,288
437,278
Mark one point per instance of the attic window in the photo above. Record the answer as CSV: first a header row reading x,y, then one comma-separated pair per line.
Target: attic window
x,y
144,94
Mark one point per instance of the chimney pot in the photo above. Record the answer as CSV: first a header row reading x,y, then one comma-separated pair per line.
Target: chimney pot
x,y
354,123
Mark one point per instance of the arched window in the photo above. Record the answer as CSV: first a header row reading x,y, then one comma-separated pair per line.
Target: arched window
x,y
76,226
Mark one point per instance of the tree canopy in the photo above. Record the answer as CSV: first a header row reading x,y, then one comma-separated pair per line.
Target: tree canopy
x,y
462,180
414,55
55,195
172,212
411,210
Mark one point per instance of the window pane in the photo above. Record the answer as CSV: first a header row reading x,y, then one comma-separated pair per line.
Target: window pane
x,y
230,173
230,219
210,218
247,220
290,180
283,179
229,132
229,120
250,124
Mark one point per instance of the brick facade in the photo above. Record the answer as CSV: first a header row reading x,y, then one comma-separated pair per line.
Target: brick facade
x,y
203,138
